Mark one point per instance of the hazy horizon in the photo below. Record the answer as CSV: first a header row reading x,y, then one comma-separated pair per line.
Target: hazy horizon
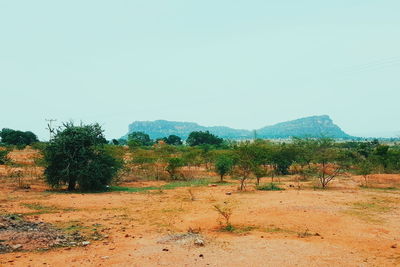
x,y
244,65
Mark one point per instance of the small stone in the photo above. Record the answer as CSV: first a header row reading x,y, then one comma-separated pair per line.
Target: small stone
x,y
394,246
201,256
105,257
165,249
85,243
127,235
228,193
199,242
18,246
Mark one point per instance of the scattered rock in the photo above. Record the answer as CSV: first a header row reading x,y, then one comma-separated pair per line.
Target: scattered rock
x,y
394,246
201,256
199,242
17,233
188,238
165,249
228,193
105,257
85,243
15,247
212,185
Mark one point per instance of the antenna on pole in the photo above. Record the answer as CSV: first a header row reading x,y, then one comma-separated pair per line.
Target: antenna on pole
x,y
50,127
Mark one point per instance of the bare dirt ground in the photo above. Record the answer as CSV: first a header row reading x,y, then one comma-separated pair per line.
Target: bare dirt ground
x,y
344,225
341,226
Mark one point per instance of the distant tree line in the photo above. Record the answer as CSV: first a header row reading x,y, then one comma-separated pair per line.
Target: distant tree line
x,y
17,138
79,157
196,138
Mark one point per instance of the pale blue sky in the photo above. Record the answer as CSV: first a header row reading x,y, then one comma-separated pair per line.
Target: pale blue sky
x,y
243,64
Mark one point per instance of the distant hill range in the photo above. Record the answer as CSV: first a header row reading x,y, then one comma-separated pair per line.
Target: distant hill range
x,y
315,126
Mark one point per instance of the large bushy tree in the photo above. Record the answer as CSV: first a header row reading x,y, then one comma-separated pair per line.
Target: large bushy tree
x,y
173,140
77,156
137,139
17,138
203,138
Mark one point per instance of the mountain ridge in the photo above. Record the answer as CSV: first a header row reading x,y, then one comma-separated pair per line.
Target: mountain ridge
x,y
313,126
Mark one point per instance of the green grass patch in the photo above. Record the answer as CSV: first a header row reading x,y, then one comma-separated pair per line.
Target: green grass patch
x,y
270,187
169,186
239,229
42,209
371,210
275,229
132,189
390,188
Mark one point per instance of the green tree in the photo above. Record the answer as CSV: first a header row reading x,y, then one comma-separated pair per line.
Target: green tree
x,y
245,161
17,138
332,161
203,138
77,155
223,165
365,167
173,166
137,139
173,140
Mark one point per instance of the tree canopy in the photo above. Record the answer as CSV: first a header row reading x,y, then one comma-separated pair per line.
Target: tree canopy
x,y
18,138
137,139
77,155
203,138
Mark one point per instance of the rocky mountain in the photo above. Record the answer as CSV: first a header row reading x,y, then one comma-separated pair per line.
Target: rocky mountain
x,y
315,126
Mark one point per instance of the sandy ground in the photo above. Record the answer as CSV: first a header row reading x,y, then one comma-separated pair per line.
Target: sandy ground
x,y
342,226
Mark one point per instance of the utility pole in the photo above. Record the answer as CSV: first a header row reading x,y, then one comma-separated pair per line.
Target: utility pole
x,y
50,127
255,134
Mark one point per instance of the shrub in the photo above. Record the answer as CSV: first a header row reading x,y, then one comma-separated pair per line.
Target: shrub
x,y
225,211
270,187
223,165
77,155
173,165
4,157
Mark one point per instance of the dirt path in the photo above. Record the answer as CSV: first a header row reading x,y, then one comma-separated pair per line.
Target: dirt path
x,y
337,227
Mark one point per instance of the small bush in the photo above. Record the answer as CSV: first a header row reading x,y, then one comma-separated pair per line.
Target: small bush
x,y
270,187
4,157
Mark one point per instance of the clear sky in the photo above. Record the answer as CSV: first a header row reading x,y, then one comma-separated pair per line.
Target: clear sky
x,y
242,63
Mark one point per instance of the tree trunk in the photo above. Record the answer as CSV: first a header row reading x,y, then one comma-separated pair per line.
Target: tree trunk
x,y
242,184
71,184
